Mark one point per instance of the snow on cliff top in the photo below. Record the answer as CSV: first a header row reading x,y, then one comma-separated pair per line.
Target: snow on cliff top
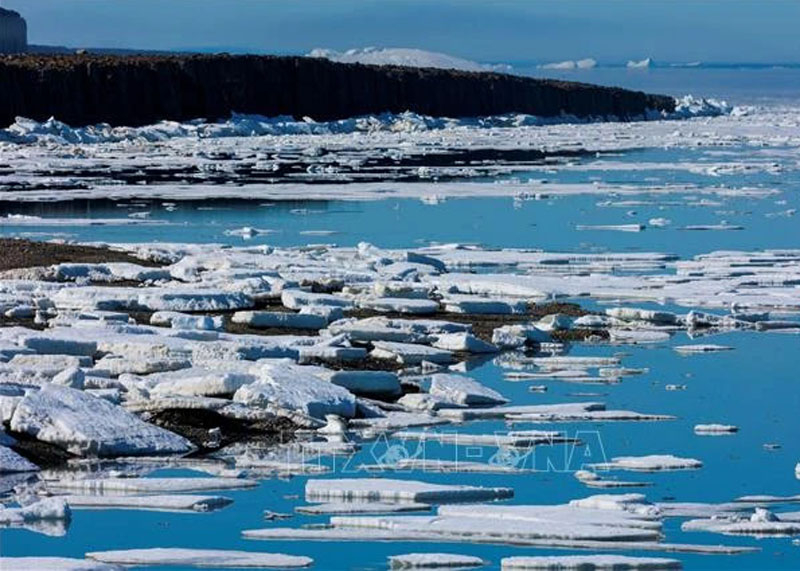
x,y
405,56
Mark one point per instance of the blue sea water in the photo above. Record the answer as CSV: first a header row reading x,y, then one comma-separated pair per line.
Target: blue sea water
x,y
753,386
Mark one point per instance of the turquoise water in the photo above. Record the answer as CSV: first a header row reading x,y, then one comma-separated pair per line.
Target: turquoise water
x,y
753,386
548,224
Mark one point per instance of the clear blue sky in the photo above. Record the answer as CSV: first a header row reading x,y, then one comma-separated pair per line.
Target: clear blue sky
x,y
500,30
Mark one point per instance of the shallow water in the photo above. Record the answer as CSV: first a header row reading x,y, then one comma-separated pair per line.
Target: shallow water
x,y
752,386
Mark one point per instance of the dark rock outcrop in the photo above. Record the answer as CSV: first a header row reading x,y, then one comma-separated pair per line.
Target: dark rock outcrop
x,y
13,32
137,90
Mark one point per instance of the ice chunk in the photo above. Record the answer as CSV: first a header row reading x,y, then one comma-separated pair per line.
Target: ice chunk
x,y
363,508
148,485
48,509
516,336
714,429
367,383
167,503
280,319
195,381
11,462
178,320
288,390
384,489
588,562
297,299
475,305
693,349
588,415
72,377
651,463
637,314
62,343
216,558
400,305
85,425
434,561
463,391
463,342
53,564
410,353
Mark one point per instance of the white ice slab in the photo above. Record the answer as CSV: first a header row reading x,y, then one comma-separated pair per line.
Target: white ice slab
x,y
167,503
463,342
112,486
434,561
86,425
410,353
462,390
216,558
364,508
384,489
280,319
289,390
651,463
53,564
588,562
715,429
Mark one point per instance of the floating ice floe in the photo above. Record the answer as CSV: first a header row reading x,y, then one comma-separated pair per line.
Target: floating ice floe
x,y
460,390
434,561
133,486
651,463
715,429
364,508
588,562
613,227
593,480
54,564
157,502
383,489
41,511
694,349
217,558
410,353
444,466
280,319
761,522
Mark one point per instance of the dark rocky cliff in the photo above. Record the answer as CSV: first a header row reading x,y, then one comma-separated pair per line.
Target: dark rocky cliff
x,y
137,90
13,32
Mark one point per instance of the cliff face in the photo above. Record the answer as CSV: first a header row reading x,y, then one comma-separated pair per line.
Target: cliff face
x,y
13,32
137,90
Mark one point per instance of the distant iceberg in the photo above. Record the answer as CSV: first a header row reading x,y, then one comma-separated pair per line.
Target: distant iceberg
x,y
587,63
408,57
641,64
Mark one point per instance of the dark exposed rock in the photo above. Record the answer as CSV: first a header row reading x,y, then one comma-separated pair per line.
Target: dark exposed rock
x,y
16,253
194,425
83,89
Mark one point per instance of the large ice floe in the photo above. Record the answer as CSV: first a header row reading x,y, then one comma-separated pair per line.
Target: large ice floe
x,y
216,558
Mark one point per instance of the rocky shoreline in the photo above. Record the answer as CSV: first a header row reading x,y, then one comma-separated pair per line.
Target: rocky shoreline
x,y
85,89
